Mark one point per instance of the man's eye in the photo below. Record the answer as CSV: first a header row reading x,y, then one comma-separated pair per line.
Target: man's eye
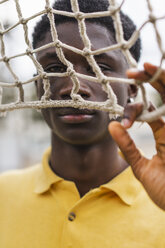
x,y
105,68
55,68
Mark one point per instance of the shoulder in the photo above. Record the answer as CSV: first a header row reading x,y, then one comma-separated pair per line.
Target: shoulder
x,y
20,172
15,180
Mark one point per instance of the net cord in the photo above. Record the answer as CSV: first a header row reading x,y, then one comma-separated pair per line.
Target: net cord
x,y
110,105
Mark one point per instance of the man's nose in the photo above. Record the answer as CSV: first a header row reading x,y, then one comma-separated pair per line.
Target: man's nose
x,y
84,90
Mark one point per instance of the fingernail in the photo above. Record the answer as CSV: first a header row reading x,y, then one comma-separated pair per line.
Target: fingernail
x,y
126,123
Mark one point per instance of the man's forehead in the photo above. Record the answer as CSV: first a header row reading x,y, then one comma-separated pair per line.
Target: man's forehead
x,y
69,34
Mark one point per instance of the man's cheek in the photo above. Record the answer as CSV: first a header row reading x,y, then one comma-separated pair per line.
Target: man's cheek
x,y
40,90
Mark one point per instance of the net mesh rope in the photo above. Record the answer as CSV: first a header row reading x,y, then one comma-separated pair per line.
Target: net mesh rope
x,y
110,105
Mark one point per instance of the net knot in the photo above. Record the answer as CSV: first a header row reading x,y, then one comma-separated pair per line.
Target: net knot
x,y
86,52
152,18
104,81
48,9
76,97
113,9
23,21
124,45
1,32
5,59
29,51
57,44
44,75
18,83
79,16
70,72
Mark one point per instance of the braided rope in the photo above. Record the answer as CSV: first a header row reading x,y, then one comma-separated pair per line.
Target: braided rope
x,y
110,105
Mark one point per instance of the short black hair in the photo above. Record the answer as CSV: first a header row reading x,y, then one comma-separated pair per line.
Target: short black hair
x,y
88,6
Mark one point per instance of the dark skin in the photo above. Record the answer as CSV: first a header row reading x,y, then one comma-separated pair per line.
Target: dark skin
x,y
84,152
82,149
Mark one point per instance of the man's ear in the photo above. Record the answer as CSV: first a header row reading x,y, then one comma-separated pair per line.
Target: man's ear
x,y
36,86
132,91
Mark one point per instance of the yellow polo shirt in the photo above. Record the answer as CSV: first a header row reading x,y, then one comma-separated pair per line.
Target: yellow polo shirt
x,y
41,210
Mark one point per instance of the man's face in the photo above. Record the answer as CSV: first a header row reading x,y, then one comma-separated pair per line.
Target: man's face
x,y
75,126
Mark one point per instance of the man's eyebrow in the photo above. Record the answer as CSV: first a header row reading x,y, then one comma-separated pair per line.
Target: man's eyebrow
x,y
104,56
53,55
50,55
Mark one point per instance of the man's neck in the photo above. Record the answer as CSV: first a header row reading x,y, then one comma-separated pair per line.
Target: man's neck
x,y
88,166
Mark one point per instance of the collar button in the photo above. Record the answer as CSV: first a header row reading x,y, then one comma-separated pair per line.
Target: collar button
x,y
71,216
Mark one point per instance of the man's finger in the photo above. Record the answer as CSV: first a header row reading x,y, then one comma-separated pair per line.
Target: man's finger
x,y
131,112
158,128
159,84
138,75
144,75
150,69
125,143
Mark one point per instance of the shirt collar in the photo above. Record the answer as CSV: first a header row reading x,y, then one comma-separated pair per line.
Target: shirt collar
x,y
45,177
125,185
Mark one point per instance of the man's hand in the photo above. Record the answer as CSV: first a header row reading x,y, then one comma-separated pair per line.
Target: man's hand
x,y
151,173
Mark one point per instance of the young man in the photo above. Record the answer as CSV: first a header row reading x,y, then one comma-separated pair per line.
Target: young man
x,y
84,193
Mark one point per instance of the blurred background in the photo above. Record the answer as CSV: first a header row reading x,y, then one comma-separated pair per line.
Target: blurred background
x,y
23,134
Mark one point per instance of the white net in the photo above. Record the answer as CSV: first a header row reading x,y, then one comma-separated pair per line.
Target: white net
x,y
110,105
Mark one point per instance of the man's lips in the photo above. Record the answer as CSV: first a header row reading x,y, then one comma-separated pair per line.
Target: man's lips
x,y
74,111
75,119
75,116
